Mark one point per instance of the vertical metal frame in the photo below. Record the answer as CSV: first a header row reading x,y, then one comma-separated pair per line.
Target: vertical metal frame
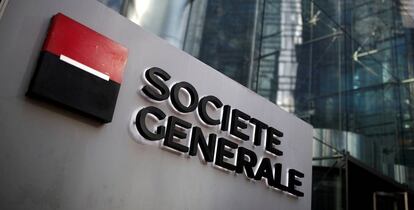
x,y
406,200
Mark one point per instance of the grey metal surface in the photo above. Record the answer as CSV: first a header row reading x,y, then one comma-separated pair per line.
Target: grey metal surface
x,y
52,158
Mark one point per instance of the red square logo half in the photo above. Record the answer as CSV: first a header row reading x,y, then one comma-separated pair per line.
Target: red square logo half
x,y
79,68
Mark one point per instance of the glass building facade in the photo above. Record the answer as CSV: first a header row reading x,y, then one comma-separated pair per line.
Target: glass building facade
x,y
344,66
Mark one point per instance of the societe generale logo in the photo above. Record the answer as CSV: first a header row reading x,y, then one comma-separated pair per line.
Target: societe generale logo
x,y
79,69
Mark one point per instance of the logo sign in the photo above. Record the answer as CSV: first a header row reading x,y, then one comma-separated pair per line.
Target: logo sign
x,y
79,68
184,136
227,140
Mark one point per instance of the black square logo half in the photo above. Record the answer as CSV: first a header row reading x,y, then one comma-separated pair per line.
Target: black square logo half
x,y
80,69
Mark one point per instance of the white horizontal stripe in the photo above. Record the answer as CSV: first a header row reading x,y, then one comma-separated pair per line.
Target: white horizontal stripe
x,y
84,67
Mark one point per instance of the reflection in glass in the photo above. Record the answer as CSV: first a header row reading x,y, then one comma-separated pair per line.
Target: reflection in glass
x,y
113,4
165,18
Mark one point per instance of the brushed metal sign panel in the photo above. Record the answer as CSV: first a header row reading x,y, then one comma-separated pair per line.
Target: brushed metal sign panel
x,y
53,158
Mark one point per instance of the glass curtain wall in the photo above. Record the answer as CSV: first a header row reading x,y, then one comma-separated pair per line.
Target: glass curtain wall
x,y
344,66
353,84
